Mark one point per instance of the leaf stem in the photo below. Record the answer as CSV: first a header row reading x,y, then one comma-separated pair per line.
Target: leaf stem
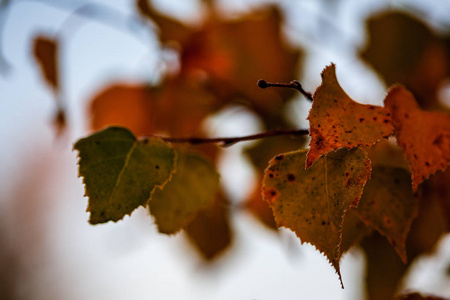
x,y
228,141
294,84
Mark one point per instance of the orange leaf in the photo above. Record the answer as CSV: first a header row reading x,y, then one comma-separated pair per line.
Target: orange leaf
x,y
45,50
169,29
233,54
423,136
337,121
122,105
176,108
389,205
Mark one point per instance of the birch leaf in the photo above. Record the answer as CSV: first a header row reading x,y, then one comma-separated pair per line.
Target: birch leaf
x,y
337,121
192,188
120,172
424,136
313,202
388,204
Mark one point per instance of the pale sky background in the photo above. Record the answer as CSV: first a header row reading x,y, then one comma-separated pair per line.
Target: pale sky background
x,y
42,208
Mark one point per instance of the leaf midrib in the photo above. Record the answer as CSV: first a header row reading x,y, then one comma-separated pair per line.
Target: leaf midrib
x,y
127,160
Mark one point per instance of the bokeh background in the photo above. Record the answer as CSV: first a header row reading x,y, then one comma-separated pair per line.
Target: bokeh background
x,y
47,248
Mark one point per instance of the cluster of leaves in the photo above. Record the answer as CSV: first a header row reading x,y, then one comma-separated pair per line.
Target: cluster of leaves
x,y
350,187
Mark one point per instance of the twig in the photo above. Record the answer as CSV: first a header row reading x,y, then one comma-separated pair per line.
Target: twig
x,y
294,84
228,141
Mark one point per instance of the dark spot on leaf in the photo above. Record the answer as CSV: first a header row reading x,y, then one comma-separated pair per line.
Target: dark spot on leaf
x,y
371,107
335,101
427,164
323,223
271,175
291,177
361,120
279,157
406,116
438,140
375,118
386,121
273,193
157,167
415,156
348,131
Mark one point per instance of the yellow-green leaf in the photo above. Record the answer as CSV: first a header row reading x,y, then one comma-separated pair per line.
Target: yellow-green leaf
x,y
120,172
313,202
192,188
388,204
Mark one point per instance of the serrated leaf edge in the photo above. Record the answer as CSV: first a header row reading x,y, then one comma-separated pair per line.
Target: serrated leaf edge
x,y
160,186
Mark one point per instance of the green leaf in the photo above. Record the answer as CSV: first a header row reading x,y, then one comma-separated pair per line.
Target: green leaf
x,y
388,204
313,202
120,173
192,188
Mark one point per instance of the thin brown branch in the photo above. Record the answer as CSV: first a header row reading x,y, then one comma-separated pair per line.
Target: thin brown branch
x,y
294,84
228,141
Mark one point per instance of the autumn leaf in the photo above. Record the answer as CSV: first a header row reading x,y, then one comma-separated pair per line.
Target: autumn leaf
x,y
384,270
210,230
353,230
388,204
387,153
433,221
120,172
177,107
423,136
404,49
233,55
337,121
417,296
259,154
122,105
45,51
313,202
169,29
191,189
260,208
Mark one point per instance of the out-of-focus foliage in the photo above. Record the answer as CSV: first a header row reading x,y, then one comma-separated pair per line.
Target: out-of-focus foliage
x,y
406,199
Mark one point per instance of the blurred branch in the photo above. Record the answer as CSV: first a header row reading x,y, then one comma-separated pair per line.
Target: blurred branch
x,y
95,12
228,141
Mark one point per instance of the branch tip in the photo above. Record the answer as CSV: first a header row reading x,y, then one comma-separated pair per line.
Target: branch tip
x,y
262,83
294,84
